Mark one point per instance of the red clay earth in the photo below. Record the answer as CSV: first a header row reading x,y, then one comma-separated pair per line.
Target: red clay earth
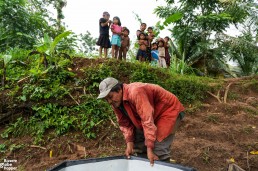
x,y
210,134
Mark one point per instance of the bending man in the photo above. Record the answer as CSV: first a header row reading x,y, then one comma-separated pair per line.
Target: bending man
x,y
148,116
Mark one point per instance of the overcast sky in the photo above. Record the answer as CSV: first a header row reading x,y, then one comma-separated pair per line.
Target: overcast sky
x,y
83,15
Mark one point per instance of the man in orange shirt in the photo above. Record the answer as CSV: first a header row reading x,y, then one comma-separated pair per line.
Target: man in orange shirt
x,y
148,116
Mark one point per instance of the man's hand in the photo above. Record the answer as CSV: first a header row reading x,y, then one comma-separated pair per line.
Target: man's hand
x,y
151,156
129,149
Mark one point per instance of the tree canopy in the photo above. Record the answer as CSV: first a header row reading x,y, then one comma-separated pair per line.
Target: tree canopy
x,y
20,24
193,25
199,31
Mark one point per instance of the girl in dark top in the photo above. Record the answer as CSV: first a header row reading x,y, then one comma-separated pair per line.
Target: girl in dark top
x,y
103,40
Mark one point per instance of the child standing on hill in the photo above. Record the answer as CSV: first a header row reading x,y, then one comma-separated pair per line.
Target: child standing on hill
x,y
122,33
154,54
151,36
138,32
116,37
167,55
125,44
103,40
161,49
143,43
143,28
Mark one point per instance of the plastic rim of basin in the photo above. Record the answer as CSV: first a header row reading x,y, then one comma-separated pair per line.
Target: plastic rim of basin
x,y
117,163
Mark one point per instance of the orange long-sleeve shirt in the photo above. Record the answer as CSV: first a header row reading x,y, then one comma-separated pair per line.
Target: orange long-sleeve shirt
x,y
149,107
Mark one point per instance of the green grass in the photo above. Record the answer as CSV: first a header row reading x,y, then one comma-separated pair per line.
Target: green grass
x,y
182,86
206,155
53,110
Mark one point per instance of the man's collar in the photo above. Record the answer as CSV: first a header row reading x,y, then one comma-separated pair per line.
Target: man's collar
x,y
125,92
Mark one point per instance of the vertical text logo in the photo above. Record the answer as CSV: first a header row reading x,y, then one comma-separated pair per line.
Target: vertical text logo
x,y
8,164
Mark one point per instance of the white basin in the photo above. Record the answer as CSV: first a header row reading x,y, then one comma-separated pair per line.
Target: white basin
x,y
119,163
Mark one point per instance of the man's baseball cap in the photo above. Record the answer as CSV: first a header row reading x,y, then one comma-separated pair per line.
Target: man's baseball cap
x,y
105,86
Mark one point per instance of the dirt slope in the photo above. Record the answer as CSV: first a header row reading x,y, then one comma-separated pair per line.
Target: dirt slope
x,y
211,133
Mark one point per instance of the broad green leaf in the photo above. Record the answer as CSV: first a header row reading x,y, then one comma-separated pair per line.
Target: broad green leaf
x,y
23,98
58,39
173,18
47,39
218,17
23,34
47,52
7,59
43,48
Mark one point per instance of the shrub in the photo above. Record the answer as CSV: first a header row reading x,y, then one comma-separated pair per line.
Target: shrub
x,y
47,90
187,88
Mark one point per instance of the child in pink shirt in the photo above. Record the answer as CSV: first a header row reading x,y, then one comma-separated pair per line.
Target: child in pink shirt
x,y
116,37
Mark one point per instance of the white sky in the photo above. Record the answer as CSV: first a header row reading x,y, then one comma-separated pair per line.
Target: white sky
x,y
83,15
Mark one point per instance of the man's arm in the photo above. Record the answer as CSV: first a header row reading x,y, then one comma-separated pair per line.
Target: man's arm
x,y
126,127
145,111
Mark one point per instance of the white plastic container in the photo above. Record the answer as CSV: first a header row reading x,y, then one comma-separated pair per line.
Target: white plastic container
x,y
119,163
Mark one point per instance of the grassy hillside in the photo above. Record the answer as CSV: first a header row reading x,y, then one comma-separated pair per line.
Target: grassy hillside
x,y
56,110
63,97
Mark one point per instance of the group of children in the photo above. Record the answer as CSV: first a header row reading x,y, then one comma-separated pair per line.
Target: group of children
x,y
120,41
154,52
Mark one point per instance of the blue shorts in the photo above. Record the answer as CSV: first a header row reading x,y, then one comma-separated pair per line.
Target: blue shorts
x,y
116,40
141,53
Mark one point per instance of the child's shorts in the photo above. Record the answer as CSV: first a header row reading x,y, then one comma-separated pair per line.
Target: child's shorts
x,y
142,53
116,40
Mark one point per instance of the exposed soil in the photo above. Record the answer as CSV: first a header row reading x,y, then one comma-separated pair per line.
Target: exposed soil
x,y
80,63
210,134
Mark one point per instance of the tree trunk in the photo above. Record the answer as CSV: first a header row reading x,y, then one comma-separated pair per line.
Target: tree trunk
x,y
3,84
205,65
45,61
4,77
